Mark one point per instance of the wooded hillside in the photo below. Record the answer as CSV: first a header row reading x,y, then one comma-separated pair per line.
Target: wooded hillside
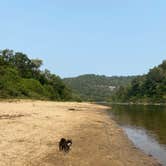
x,y
21,77
150,87
96,87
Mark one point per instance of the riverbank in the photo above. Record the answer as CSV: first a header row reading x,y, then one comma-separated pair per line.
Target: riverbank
x,y
30,131
130,103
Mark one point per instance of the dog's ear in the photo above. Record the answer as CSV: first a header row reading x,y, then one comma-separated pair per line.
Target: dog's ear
x,y
63,140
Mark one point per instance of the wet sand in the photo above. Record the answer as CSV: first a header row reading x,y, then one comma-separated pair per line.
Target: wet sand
x,y
30,132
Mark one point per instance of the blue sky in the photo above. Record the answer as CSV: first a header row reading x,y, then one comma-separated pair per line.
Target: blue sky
x,y
110,37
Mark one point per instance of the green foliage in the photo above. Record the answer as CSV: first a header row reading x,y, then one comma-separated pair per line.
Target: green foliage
x,y
32,88
147,88
94,87
9,82
21,77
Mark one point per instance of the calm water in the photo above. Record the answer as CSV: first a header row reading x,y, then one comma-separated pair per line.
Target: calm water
x,y
145,126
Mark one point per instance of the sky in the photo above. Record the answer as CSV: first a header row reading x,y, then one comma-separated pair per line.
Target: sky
x,y
72,37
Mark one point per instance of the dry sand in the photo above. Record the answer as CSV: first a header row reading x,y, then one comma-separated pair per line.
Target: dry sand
x,y
30,131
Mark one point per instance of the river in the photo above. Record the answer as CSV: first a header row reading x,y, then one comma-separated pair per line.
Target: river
x,y
145,126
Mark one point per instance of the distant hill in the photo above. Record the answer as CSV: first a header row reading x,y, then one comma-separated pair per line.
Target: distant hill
x,y
96,87
149,88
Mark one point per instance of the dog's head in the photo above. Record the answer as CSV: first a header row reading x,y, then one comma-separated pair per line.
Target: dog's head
x,y
63,140
69,142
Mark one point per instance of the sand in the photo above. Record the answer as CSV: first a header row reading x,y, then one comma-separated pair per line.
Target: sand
x,y
30,132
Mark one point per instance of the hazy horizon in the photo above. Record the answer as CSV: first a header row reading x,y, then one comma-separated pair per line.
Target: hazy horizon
x,y
112,38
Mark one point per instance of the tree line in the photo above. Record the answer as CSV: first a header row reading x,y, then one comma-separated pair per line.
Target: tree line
x,y
21,77
149,88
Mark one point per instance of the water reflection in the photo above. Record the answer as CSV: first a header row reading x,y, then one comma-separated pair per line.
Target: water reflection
x,y
147,143
152,118
145,126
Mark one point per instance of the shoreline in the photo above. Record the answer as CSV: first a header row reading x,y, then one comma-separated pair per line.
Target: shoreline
x,y
30,131
130,103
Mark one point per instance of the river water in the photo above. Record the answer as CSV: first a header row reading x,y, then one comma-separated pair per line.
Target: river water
x,y
145,126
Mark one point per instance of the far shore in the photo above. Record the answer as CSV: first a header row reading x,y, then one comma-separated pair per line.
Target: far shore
x,y
30,132
129,103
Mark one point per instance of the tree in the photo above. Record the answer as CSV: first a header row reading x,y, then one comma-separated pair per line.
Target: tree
x,y
7,54
150,87
37,63
22,77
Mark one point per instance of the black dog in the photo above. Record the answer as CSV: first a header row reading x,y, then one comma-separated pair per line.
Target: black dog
x,y
65,144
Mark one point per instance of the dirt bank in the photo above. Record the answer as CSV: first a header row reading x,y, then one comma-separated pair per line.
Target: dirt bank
x,y
30,131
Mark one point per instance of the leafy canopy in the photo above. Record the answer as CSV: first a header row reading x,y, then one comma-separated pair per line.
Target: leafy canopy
x,y
21,77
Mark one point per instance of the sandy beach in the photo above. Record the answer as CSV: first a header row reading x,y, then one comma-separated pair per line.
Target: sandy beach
x,y
30,132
